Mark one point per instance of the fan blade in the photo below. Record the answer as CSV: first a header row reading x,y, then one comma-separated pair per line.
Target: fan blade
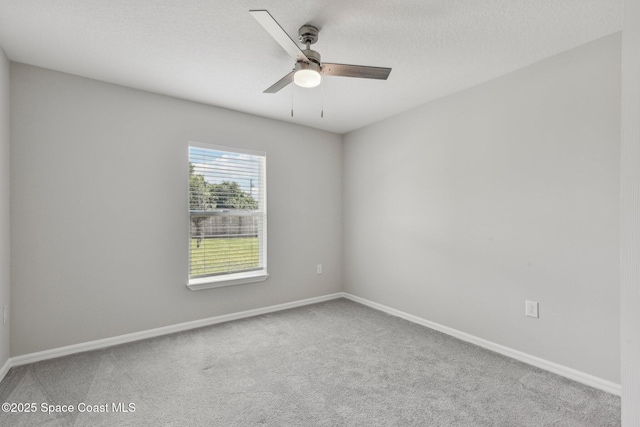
x,y
281,83
267,21
360,71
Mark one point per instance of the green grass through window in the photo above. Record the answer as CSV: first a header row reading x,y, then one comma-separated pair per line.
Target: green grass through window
x,y
221,255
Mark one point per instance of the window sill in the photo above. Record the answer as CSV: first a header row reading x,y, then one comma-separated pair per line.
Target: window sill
x,y
226,280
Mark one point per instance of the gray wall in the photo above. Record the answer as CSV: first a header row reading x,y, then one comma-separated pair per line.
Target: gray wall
x,y
462,209
99,211
5,257
630,216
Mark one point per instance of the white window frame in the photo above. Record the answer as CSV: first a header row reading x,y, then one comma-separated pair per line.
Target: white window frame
x,y
231,279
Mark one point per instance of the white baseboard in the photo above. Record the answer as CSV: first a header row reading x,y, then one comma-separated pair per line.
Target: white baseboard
x,y
137,336
5,369
564,371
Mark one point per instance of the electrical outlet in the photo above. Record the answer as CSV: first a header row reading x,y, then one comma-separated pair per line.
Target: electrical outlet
x,y
5,315
531,309
319,269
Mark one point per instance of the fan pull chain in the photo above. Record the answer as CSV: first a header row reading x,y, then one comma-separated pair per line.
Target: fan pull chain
x,y
291,100
322,100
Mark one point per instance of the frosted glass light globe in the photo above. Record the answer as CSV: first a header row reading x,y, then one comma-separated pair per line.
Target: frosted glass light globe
x,y
307,78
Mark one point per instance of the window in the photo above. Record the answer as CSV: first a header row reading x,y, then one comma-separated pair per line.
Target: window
x,y
228,221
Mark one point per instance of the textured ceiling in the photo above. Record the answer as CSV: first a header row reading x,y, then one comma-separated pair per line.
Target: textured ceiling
x,y
214,52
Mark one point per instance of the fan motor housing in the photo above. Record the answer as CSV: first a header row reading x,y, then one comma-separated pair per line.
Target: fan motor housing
x,y
312,55
301,65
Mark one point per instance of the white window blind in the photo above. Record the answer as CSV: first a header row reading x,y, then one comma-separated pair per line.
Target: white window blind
x,y
227,208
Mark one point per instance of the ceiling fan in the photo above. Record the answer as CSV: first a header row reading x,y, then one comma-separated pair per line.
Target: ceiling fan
x,y
309,69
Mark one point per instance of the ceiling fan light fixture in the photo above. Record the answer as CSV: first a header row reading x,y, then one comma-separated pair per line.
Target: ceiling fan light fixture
x,y
307,75
309,69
